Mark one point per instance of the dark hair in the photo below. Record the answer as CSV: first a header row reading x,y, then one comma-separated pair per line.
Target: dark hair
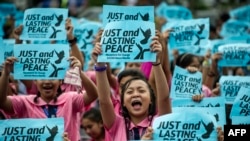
x,y
124,110
93,114
224,16
130,72
59,92
185,59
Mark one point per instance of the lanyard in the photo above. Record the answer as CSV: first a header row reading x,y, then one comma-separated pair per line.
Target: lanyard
x,y
50,111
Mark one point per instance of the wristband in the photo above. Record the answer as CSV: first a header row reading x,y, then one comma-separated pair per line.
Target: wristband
x,y
73,40
100,68
156,64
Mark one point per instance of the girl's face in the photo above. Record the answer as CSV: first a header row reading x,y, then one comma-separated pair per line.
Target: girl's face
x,y
195,63
48,88
92,128
137,98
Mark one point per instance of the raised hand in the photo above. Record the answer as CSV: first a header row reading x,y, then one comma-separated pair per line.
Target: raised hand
x,y
148,135
156,46
69,28
17,33
74,62
8,65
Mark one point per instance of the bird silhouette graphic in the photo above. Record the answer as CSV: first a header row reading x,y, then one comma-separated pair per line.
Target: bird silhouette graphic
x,y
85,44
216,116
140,55
217,105
209,129
60,56
144,17
90,33
146,35
59,20
55,72
53,131
198,39
53,35
201,28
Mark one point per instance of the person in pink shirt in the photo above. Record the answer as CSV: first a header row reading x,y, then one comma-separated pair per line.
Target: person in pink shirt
x,y
74,51
137,99
92,123
50,101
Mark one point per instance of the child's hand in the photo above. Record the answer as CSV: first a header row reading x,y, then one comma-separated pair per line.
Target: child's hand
x,y
74,62
220,134
148,134
197,97
17,32
8,65
192,69
69,28
65,136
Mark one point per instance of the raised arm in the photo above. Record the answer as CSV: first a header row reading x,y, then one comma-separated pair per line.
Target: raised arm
x,y
74,50
213,72
164,59
90,93
5,103
162,89
111,78
103,88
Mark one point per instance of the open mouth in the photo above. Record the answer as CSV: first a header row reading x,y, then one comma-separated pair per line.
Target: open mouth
x,y
136,104
47,87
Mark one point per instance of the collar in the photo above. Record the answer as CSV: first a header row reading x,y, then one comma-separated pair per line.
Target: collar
x,y
144,123
60,100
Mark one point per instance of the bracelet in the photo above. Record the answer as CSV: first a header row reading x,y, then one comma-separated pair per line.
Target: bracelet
x,y
73,41
211,74
156,64
100,68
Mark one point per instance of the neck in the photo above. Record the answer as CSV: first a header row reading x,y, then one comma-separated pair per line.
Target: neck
x,y
47,99
136,120
101,138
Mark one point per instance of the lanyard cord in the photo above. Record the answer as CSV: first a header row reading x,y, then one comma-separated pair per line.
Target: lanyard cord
x,y
50,111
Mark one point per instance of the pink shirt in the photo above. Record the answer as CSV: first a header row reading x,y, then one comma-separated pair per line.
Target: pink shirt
x,y
68,106
118,130
107,137
6,116
206,91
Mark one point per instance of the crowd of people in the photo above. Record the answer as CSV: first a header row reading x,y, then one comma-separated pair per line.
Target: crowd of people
x,y
111,106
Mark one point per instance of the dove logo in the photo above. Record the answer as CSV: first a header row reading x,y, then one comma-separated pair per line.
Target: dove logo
x,y
53,132
209,129
59,19
146,34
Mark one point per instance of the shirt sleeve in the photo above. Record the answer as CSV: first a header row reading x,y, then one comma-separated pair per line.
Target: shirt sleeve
x,y
18,105
78,102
